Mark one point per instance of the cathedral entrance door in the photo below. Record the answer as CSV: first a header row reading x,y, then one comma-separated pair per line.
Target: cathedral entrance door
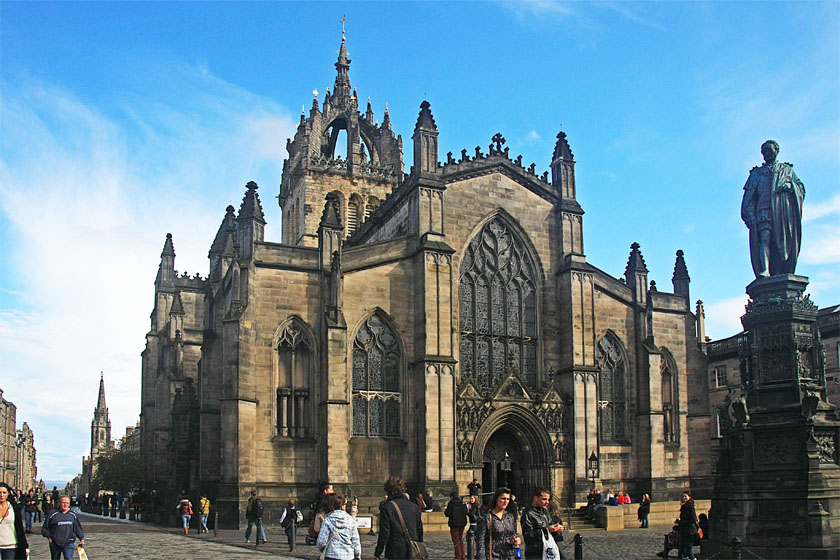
x,y
503,462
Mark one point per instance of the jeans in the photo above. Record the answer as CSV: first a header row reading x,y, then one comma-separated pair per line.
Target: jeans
x,y
185,521
646,522
251,522
56,551
7,553
29,516
204,517
687,549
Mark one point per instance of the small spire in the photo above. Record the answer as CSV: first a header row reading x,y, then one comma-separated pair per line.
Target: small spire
x,y
386,120
330,217
680,279
251,207
177,305
636,262
168,247
561,148
100,401
425,120
228,225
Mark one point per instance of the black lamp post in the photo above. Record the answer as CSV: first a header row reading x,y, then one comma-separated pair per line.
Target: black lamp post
x,y
505,466
593,465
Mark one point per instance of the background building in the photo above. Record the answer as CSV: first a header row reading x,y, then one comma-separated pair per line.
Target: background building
x,y
18,461
438,325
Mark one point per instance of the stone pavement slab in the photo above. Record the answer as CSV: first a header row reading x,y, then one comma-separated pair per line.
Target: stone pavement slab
x,y
108,538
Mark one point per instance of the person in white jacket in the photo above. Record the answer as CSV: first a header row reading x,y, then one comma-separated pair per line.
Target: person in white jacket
x,y
339,534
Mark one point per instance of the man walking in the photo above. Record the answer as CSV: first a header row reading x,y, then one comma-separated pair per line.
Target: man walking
x,y
30,508
62,528
289,520
536,520
253,514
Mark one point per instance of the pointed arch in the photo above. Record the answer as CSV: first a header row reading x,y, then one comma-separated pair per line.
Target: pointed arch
x,y
499,301
293,373
377,357
611,359
329,142
669,378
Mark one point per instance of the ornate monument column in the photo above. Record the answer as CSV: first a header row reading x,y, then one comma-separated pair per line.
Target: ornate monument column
x,y
777,485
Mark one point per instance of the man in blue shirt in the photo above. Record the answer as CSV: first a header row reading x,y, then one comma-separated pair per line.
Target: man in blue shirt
x,y
62,528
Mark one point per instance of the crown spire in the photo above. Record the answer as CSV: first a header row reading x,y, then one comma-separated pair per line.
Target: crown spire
x,y
341,89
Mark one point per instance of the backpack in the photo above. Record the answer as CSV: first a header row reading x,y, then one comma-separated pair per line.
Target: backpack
x,y
298,516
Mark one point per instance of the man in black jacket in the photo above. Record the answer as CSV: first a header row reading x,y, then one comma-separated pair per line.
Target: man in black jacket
x,y
456,511
535,519
392,539
62,528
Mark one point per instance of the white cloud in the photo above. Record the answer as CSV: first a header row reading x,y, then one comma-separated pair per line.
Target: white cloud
x,y
532,137
87,194
817,210
723,317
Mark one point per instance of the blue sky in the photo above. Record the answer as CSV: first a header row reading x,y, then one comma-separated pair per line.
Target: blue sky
x,y
120,122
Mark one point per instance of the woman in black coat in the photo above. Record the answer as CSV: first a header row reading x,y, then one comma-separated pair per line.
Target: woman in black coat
x,y
15,547
688,526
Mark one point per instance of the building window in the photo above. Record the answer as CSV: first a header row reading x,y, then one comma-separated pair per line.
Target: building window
x,y
718,429
720,377
612,392
498,303
353,213
294,367
670,398
376,380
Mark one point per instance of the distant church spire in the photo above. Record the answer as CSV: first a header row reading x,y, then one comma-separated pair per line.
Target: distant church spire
x,y
100,426
100,402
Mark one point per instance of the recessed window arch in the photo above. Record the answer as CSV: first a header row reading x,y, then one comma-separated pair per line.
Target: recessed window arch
x,y
669,376
377,365
612,387
335,142
498,307
355,212
372,203
294,366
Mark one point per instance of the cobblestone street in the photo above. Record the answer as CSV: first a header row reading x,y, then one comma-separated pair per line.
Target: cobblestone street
x,y
111,539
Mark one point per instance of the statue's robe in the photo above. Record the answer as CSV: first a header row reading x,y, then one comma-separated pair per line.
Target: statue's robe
x,y
785,192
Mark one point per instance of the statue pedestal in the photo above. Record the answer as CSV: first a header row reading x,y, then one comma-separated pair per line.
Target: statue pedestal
x,y
777,484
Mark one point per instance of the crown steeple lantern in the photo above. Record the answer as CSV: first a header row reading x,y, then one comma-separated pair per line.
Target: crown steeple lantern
x,y
341,89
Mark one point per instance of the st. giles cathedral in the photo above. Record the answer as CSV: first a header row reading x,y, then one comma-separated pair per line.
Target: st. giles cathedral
x,y
438,324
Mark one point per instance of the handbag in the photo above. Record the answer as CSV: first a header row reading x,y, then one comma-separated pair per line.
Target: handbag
x,y
550,549
416,549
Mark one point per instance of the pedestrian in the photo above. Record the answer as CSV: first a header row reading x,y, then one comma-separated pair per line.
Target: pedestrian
x,y
39,498
643,512
688,525
473,514
474,488
204,512
289,520
496,536
13,544
339,535
185,510
397,512
537,523
55,494
253,514
456,511
62,528
48,505
30,508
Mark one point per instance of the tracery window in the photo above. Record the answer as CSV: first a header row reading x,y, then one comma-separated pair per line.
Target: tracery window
x,y
294,361
612,390
376,380
498,302
670,398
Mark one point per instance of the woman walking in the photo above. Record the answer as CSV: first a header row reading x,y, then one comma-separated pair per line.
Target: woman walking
x,y
688,525
13,543
496,537
339,536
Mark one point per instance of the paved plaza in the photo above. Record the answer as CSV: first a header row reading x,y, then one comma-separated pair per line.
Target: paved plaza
x,y
110,539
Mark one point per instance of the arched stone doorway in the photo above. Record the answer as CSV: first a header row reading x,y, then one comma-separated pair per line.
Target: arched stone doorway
x,y
517,432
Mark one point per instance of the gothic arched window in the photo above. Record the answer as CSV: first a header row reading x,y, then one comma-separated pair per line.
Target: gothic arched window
x,y
612,390
354,213
376,380
498,307
670,398
295,361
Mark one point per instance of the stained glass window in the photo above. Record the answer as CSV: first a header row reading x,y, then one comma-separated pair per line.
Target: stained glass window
x,y
498,308
612,394
376,380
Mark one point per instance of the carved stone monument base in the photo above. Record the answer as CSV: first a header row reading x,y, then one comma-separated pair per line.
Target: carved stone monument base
x,y
777,485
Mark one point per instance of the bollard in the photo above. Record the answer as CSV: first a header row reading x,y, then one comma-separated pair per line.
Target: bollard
x,y
578,547
736,548
216,524
470,545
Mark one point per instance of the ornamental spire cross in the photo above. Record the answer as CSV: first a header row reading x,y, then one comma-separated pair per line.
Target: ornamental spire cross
x,y
499,140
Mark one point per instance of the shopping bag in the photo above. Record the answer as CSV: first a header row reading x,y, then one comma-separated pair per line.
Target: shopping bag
x,y
550,549
82,554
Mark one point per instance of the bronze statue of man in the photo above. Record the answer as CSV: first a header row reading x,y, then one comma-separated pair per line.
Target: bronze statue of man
x,y
772,210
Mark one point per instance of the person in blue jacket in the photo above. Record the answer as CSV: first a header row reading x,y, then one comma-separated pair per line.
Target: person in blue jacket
x,y
62,528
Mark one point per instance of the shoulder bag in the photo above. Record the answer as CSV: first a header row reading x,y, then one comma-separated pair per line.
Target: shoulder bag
x,y
416,549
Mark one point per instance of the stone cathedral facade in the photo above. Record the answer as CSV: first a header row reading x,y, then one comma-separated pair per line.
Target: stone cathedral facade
x,y
438,324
